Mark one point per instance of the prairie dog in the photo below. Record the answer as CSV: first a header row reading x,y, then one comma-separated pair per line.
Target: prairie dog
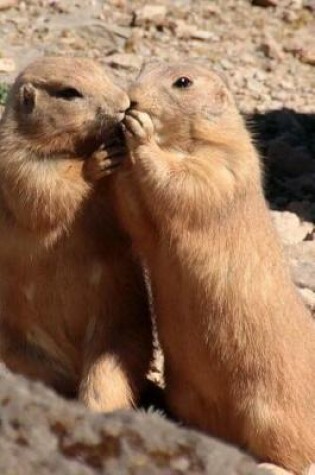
x,y
74,311
238,343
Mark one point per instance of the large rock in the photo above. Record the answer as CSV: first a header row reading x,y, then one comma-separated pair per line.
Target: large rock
x,y
41,433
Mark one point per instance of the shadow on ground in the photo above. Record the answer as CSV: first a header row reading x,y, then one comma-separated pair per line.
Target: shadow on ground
x,y
286,142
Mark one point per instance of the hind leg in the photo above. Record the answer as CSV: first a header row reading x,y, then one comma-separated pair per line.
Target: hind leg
x,y
115,368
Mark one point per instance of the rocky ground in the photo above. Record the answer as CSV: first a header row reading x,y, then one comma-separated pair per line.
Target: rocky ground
x,y
266,50
44,435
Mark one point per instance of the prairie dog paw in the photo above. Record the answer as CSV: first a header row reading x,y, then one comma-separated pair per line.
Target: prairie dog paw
x,y
139,128
104,161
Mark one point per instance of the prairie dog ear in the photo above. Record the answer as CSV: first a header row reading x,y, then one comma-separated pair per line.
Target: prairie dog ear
x,y
27,97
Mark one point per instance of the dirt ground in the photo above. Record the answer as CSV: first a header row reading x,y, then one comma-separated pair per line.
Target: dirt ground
x,y
267,53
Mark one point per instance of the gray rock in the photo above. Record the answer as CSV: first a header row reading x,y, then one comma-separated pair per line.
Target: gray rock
x,y
302,259
309,298
43,434
290,228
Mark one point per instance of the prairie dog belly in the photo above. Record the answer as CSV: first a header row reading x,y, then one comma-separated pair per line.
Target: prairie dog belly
x,y
53,300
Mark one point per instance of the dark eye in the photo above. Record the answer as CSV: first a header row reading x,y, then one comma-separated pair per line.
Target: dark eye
x,y
183,83
68,93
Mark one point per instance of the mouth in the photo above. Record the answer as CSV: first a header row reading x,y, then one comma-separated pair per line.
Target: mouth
x,y
113,129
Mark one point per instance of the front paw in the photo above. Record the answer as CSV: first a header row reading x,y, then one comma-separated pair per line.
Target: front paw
x,y
104,161
139,129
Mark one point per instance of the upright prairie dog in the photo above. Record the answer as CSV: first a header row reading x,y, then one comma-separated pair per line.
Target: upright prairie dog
x,y
239,345
74,311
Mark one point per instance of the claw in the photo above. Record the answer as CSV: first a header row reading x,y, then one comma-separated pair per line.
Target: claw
x,y
104,161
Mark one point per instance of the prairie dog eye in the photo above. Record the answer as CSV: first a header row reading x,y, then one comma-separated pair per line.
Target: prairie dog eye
x,y
68,94
183,82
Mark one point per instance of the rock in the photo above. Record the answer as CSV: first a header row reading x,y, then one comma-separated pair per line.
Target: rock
x,y
266,3
7,65
210,9
307,55
5,4
290,228
272,48
203,35
42,433
134,41
302,45
154,14
304,274
302,259
185,31
123,61
309,298
310,5
304,52
294,4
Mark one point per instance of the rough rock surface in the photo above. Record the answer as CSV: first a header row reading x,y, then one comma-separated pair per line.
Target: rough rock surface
x,y
42,434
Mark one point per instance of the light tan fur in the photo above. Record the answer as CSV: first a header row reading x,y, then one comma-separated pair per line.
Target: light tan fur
x,y
239,345
73,305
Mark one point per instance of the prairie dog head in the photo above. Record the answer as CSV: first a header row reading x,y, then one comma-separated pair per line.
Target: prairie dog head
x,y
63,104
186,101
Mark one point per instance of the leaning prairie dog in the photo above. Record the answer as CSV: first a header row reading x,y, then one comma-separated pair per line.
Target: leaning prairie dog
x,y
74,311
239,345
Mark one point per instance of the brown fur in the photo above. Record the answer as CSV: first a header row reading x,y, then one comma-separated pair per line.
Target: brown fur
x,y
74,310
239,344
